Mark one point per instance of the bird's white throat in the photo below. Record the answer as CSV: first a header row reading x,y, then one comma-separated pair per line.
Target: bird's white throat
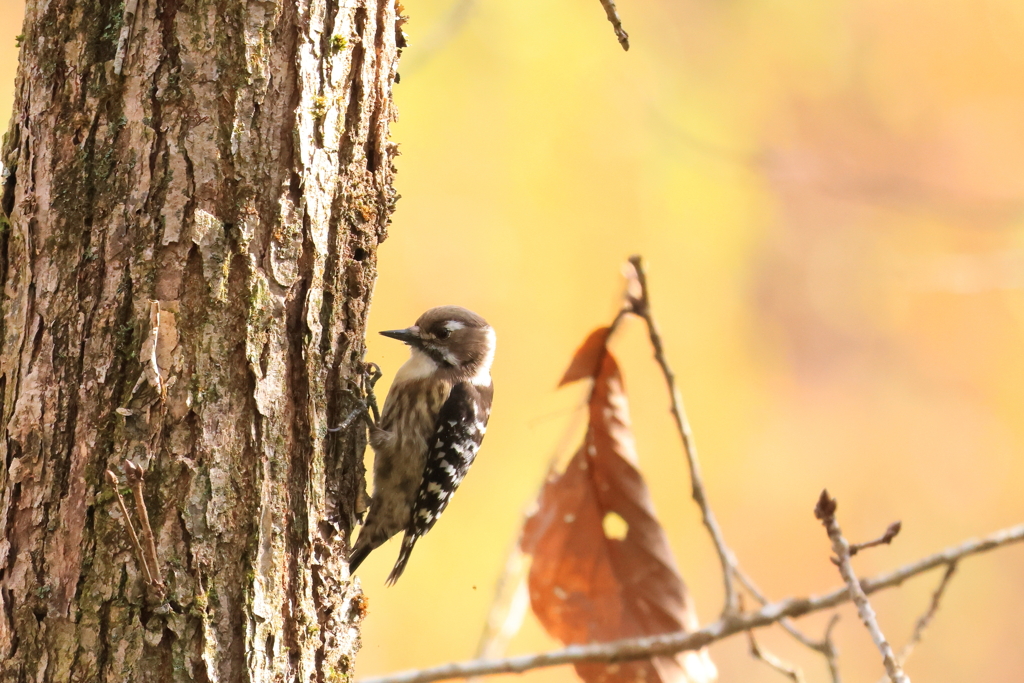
x,y
419,366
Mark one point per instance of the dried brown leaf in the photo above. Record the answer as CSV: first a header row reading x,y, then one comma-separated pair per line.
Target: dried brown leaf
x,y
602,569
585,363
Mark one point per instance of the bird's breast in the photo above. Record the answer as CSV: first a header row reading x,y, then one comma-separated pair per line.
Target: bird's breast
x,y
410,412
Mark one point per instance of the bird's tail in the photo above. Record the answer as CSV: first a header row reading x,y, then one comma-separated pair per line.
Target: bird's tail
x,y
357,557
370,537
403,557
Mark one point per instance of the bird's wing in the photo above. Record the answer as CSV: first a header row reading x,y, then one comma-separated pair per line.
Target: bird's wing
x,y
460,428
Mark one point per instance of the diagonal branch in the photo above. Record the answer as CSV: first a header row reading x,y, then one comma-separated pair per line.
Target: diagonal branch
x,y
786,669
671,643
641,306
112,480
510,604
135,476
829,650
926,618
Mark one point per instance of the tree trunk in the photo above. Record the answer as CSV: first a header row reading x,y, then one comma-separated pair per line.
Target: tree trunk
x,y
194,194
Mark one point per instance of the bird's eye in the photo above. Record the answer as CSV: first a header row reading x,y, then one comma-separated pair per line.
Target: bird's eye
x,y
443,333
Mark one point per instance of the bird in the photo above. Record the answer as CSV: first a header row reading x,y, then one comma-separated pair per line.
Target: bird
x,y
434,419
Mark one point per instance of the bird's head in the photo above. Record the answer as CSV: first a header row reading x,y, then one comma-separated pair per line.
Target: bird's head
x,y
458,341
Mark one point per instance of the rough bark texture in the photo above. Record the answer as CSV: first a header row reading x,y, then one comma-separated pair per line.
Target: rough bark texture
x,y
230,161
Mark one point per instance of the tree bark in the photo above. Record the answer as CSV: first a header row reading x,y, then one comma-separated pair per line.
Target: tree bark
x,y
193,197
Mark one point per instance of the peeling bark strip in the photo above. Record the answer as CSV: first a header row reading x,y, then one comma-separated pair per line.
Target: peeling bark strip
x,y
194,195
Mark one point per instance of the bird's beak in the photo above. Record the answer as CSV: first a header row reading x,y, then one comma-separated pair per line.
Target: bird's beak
x,y
410,335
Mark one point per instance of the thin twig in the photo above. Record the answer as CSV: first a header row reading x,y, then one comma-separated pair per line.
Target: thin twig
x,y
112,478
641,306
639,298
926,618
511,594
884,539
671,643
788,670
825,510
613,17
830,650
511,600
826,647
599,360
133,473
787,624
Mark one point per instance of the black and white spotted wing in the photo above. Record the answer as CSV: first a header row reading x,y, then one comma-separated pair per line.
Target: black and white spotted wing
x,y
461,425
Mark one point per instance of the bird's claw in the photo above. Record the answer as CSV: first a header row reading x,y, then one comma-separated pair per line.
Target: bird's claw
x,y
371,374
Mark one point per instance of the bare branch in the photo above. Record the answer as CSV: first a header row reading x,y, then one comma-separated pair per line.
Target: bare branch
x,y
671,643
825,510
641,306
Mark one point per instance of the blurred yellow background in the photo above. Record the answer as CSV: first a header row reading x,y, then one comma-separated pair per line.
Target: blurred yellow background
x,y
830,199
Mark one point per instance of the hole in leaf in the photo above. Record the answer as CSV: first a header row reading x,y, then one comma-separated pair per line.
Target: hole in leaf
x,y
615,527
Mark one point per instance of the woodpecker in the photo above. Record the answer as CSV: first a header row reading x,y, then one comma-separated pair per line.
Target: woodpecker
x,y
434,418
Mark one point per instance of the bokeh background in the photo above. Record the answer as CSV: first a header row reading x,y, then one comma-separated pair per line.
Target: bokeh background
x,y
830,197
